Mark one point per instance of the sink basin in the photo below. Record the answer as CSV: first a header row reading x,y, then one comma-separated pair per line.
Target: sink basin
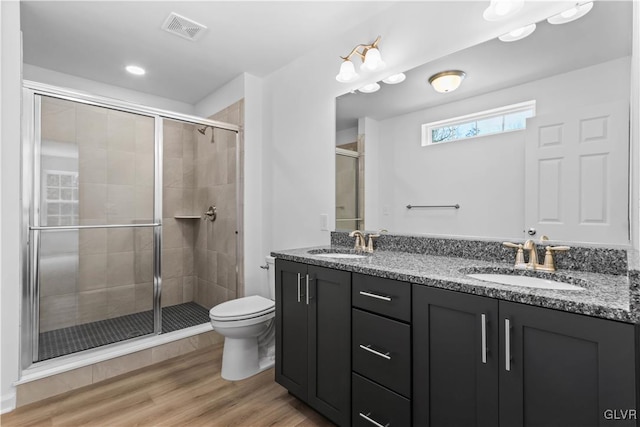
x,y
339,255
526,281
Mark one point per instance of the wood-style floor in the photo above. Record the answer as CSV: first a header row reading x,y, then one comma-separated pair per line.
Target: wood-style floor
x,y
184,391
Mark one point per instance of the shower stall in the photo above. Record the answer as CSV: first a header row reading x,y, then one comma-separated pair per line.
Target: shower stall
x,y
130,221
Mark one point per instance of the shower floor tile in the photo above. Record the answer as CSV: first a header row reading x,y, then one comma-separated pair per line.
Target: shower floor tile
x,y
69,340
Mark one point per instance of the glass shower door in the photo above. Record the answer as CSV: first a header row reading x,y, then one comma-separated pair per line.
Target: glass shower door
x,y
94,229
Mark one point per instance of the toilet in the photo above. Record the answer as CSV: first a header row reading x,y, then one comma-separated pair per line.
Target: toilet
x,y
248,326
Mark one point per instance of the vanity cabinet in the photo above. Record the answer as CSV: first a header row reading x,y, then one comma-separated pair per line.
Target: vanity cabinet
x,y
483,362
381,352
313,337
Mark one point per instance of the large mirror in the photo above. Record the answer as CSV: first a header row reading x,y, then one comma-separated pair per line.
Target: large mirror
x,y
555,162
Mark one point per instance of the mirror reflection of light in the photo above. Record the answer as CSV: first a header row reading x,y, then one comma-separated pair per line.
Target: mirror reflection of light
x,y
572,14
395,78
518,33
370,88
569,13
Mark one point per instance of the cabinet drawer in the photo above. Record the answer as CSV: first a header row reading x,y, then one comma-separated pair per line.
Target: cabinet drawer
x,y
383,296
375,405
381,350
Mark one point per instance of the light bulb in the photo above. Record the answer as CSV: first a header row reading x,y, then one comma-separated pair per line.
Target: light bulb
x,y
347,72
502,8
372,60
499,10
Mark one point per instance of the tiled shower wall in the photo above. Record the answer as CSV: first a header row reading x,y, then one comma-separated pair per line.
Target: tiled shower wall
x,y
179,153
95,274
215,183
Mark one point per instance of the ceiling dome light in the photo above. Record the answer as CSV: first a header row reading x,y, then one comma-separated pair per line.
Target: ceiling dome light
x,y
395,79
347,72
500,10
134,69
370,88
518,33
576,12
447,81
372,60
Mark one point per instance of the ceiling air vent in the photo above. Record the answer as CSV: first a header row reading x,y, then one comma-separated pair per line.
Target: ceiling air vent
x,y
183,27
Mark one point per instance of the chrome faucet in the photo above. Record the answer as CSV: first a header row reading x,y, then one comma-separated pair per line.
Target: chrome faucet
x,y
359,245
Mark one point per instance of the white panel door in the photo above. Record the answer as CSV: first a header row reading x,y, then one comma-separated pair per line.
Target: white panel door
x,y
577,174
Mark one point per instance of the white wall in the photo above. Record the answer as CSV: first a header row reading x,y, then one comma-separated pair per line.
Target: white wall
x,y
484,175
300,103
635,132
221,98
10,93
370,128
346,136
43,75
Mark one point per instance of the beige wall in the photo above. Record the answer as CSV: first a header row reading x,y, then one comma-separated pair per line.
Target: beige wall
x,y
178,181
215,183
96,274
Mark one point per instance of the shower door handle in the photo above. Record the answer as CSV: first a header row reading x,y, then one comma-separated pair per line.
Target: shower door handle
x,y
298,287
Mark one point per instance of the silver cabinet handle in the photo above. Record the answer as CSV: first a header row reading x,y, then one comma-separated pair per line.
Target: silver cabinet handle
x,y
298,287
369,294
483,318
307,289
377,353
507,345
372,421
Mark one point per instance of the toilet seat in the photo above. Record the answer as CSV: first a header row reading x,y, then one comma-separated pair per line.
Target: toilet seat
x,y
242,309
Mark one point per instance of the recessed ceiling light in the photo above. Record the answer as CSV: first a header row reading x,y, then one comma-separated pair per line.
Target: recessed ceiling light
x,y
578,11
134,69
370,88
518,33
394,79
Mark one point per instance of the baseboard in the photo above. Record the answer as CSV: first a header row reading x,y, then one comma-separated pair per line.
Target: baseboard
x,y
8,401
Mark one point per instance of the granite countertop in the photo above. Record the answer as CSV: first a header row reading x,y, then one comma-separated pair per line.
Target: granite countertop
x,y
607,296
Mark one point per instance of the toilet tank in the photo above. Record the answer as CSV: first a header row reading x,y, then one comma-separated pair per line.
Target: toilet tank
x,y
271,272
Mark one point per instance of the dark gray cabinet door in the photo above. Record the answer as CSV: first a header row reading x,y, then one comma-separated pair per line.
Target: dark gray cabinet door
x,y
563,369
455,359
313,337
330,343
291,327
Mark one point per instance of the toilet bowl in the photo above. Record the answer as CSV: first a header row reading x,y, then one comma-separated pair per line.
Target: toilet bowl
x,y
249,329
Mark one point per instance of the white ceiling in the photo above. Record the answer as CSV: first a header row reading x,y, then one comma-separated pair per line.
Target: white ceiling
x,y
603,34
97,39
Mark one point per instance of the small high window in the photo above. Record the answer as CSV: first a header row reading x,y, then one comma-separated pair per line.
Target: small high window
x,y
499,120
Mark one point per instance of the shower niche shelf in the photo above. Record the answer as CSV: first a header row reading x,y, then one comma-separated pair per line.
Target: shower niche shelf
x,y
187,216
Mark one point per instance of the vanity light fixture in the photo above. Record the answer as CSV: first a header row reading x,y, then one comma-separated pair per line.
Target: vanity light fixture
x,y
371,61
395,79
576,12
370,88
134,69
447,81
500,10
518,33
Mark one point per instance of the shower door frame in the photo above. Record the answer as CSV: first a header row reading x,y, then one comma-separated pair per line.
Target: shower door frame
x,y
32,93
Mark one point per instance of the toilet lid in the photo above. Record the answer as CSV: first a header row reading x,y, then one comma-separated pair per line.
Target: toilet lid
x,y
242,308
